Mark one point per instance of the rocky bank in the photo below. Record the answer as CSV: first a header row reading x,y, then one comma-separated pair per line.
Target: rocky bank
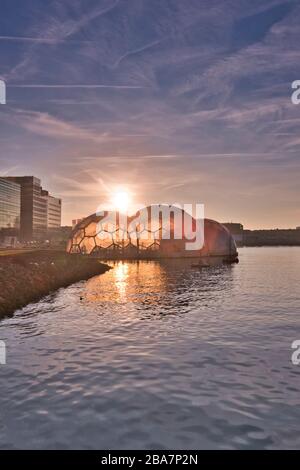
x,y
27,277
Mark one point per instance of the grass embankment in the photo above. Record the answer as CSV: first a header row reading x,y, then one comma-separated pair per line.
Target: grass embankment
x,y
27,277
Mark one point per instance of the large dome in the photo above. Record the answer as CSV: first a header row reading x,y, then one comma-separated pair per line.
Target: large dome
x,y
150,235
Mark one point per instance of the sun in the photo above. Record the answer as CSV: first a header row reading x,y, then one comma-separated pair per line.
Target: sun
x,y
121,201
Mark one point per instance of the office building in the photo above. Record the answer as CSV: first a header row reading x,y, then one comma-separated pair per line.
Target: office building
x,y
38,209
33,220
10,207
53,211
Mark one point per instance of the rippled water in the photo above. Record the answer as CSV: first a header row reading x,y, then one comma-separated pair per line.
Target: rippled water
x,y
155,355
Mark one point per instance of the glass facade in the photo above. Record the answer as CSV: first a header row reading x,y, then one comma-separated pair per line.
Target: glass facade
x,y
33,222
37,212
53,210
10,205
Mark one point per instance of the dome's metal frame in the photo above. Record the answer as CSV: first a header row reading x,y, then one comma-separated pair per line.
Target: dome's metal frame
x,y
108,244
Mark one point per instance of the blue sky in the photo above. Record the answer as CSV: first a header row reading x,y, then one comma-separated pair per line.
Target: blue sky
x,y
176,100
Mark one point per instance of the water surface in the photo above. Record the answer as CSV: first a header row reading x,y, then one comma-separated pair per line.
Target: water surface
x,y
159,355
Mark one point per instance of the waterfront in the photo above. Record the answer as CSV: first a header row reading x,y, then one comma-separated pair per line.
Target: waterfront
x,y
158,355
26,277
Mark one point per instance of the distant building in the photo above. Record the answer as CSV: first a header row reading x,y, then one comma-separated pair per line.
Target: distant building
x,y
38,208
10,207
273,237
53,210
58,237
9,242
33,208
276,237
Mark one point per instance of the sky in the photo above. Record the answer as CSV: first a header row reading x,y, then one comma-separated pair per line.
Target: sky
x,y
174,101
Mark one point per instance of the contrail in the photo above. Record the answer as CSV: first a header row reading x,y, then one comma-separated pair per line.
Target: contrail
x,y
77,86
42,40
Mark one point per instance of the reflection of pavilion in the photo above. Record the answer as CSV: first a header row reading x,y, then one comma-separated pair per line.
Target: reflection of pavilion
x,y
164,232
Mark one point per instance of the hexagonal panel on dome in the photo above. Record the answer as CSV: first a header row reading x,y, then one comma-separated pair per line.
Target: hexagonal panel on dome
x,y
145,235
91,229
78,237
155,225
107,227
145,244
130,248
104,239
69,245
154,246
136,228
156,234
75,249
87,245
120,236
114,247
133,240
98,250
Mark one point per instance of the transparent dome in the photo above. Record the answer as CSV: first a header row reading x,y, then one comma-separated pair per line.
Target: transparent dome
x,y
153,232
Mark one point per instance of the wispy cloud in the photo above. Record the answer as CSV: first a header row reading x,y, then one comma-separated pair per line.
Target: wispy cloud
x,y
9,171
39,40
61,29
46,125
136,51
54,30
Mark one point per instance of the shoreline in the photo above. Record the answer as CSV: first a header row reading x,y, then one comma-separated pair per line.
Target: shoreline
x,y
28,277
269,245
